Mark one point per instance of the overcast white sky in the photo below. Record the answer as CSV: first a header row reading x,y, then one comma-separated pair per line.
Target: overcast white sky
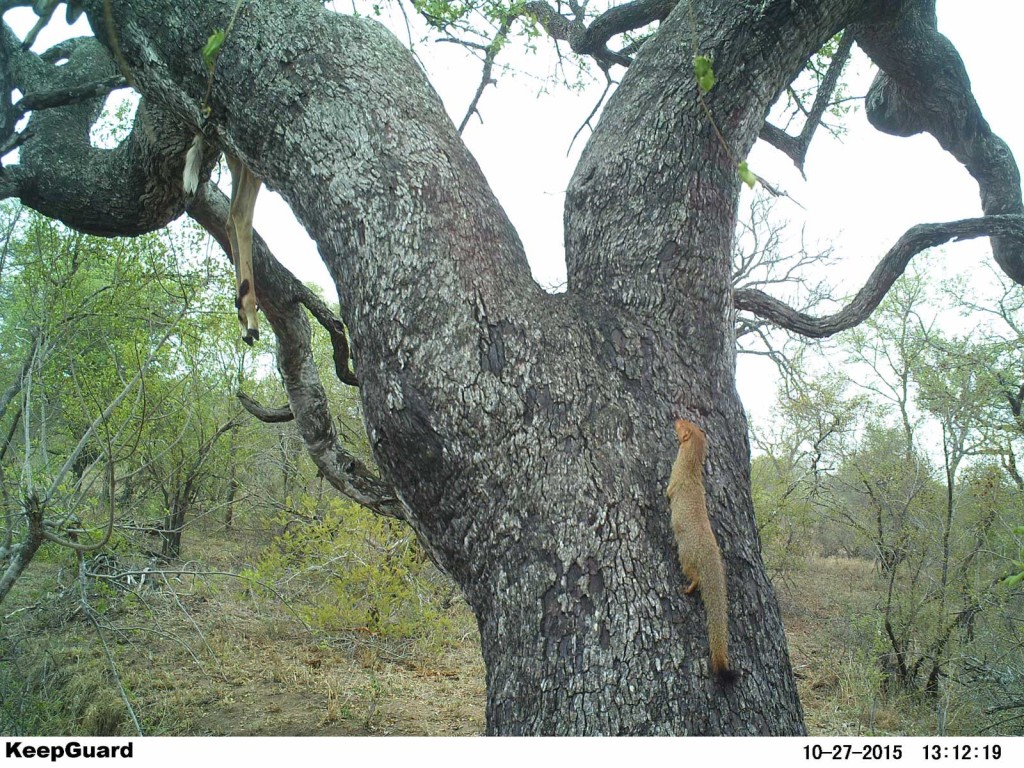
x,y
860,194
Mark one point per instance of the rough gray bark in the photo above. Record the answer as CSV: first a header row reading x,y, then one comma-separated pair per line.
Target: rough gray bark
x,y
528,436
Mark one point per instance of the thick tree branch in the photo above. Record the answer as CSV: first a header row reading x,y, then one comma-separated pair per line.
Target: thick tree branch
x,y
264,413
211,199
796,146
915,240
593,40
136,188
10,79
70,95
923,85
12,143
624,18
132,189
338,335
21,554
282,296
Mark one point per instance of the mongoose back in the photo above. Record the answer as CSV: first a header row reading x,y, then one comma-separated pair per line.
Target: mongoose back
x,y
698,550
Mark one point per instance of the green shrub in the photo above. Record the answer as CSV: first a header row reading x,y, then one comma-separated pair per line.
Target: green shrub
x,y
354,571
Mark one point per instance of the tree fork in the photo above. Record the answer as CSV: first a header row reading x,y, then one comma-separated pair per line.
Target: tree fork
x,y
527,436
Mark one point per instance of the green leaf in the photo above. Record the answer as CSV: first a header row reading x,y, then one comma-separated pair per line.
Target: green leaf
x,y
704,73
212,48
746,175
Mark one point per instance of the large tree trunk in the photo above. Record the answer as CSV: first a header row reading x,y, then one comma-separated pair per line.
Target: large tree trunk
x,y
529,435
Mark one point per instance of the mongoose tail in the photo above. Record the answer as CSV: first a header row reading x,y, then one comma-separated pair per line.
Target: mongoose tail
x,y
699,554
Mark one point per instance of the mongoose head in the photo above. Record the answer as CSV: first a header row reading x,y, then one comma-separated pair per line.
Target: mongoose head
x,y
691,439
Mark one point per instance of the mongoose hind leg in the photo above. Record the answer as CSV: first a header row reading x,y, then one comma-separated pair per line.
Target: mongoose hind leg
x,y
694,577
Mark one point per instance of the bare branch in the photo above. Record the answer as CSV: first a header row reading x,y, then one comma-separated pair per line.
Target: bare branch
x,y
759,262
11,392
922,86
10,436
918,238
774,191
62,97
108,528
264,413
623,18
586,123
796,146
593,40
490,53
12,143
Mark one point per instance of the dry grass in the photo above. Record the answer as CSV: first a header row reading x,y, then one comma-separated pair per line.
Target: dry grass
x,y
255,681
209,656
213,657
828,608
